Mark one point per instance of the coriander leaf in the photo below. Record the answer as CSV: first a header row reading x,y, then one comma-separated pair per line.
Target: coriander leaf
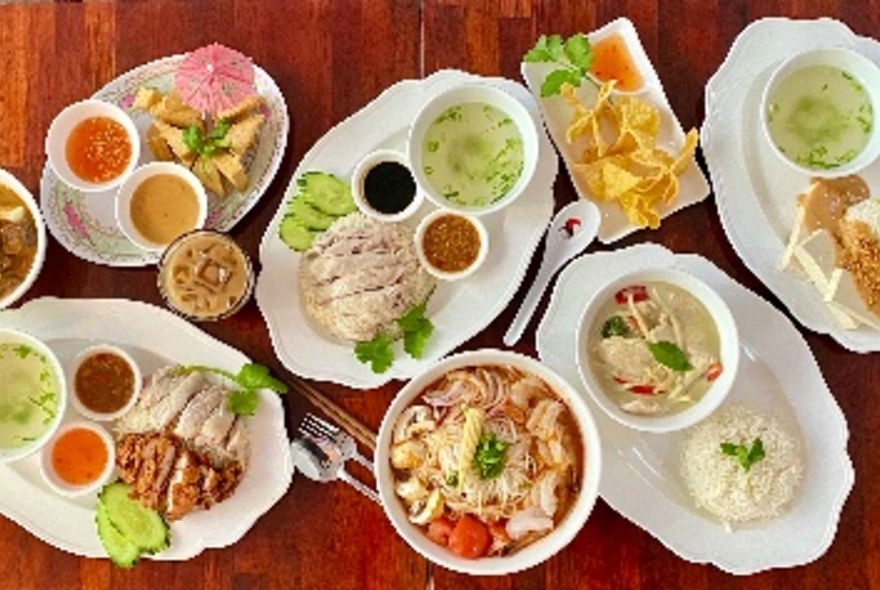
x,y
192,137
579,53
670,355
254,376
756,453
413,318
452,479
490,456
377,352
221,127
614,326
417,329
538,53
552,84
243,402
554,47
744,456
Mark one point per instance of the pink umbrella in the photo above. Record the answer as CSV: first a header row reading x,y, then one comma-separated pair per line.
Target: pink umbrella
x,y
214,78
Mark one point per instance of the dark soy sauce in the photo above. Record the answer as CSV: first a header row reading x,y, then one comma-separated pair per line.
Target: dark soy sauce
x,y
389,187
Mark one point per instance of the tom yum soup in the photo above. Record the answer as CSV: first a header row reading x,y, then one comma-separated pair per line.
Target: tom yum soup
x,y
654,349
487,460
472,154
98,149
820,117
18,241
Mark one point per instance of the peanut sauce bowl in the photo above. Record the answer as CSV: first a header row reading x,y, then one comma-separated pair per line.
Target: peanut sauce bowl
x,y
104,382
115,154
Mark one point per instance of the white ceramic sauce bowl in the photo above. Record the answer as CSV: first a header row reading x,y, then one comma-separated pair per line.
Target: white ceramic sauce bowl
x,y
71,381
59,485
729,354
358,180
482,235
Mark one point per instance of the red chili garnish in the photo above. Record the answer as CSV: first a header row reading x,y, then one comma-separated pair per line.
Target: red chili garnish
x,y
714,371
619,379
637,292
641,389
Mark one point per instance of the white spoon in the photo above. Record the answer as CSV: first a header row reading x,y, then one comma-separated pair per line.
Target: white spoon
x,y
570,232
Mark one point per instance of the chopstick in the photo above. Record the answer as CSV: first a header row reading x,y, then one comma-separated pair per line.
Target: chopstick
x,y
354,427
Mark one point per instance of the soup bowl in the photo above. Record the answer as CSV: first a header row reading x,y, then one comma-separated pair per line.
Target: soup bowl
x,y
528,555
33,394
9,181
590,332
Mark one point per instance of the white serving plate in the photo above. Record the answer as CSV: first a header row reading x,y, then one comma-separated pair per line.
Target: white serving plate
x,y
777,374
155,338
85,223
458,310
557,114
754,189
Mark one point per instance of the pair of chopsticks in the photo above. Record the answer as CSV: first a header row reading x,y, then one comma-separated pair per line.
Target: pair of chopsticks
x,y
361,433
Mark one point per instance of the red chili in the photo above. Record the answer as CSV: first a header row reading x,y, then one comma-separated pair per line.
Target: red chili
x,y
638,389
714,371
637,292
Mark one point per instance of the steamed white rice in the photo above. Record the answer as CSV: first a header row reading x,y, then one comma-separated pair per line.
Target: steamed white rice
x,y
720,485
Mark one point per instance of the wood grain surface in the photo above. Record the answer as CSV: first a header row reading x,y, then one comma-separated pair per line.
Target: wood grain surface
x,y
330,58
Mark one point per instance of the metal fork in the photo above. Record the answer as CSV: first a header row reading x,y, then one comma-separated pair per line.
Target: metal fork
x,y
317,427
321,458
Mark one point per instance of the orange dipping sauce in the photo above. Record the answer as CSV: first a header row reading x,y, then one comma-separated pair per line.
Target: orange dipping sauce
x,y
98,149
79,456
612,60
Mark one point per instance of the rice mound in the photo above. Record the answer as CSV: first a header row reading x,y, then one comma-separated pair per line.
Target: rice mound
x,y
720,485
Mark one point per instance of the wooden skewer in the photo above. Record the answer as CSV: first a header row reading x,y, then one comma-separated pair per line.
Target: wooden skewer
x,y
348,422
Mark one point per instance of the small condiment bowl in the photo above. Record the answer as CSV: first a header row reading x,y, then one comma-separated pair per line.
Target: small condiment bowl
x,y
427,258
23,347
866,72
50,474
73,384
61,128
729,351
126,193
359,181
168,274
24,194
464,94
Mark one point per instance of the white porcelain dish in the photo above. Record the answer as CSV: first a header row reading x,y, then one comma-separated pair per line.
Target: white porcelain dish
x,y
57,483
865,73
18,343
777,374
483,93
363,168
129,187
459,309
755,191
441,274
557,115
155,338
729,353
59,134
538,551
84,355
11,182
85,224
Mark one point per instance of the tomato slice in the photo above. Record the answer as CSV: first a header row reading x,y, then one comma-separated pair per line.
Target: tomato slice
x,y
470,538
440,530
637,292
714,371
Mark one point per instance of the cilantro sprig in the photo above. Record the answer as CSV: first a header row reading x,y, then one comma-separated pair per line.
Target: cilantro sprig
x,y
490,456
207,144
250,379
574,57
378,352
745,456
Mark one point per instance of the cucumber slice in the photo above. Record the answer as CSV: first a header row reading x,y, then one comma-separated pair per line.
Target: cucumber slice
x,y
296,235
122,552
308,216
326,193
140,525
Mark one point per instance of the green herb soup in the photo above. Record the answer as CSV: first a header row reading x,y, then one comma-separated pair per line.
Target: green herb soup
x,y
28,395
472,154
820,117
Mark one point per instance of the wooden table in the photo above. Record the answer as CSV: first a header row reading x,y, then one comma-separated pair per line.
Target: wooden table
x,y
330,59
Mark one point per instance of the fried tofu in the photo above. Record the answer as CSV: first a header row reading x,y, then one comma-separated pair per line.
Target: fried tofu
x,y
172,110
206,170
242,109
230,166
146,98
158,146
243,134
173,136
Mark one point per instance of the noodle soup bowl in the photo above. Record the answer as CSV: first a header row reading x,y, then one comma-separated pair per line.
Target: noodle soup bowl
x,y
591,329
528,555
25,196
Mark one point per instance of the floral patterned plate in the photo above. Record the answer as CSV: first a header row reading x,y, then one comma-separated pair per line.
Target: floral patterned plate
x,y
85,223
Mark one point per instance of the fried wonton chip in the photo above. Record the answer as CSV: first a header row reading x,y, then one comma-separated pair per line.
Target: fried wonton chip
x,y
619,160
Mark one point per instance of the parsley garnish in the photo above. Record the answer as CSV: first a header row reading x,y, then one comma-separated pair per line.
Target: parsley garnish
x,y
670,355
745,456
250,379
417,329
377,352
574,56
490,456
